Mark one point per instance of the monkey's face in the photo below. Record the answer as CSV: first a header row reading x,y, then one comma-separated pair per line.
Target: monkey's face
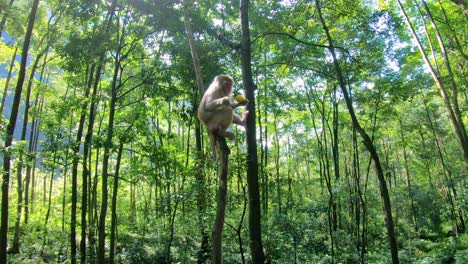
x,y
228,87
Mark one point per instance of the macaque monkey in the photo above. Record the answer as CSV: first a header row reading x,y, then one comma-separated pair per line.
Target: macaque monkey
x,y
217,112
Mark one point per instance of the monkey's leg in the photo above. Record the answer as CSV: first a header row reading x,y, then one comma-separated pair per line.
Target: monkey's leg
x,y
224,133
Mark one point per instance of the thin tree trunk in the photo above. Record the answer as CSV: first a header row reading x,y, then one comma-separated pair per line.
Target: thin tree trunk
x,y
75,161
107,153
9,135
221,201
30,159
7,83
203,253
266,188
92,212
255,227
35,143
277,167
49,203
114,203
86,154
336,157
367,142
360,203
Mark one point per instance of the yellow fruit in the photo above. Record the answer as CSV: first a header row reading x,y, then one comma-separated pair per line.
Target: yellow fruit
x,y
240,98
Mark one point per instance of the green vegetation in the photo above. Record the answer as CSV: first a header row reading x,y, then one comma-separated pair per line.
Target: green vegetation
x,y
356,149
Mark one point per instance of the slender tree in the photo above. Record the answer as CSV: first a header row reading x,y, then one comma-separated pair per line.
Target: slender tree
x,y
220,200
255,227
108,143
367,142
201,198
114,202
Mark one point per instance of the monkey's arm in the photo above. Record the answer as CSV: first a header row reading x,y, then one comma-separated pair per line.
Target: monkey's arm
x,y
221,104
236,104
240,120
217,104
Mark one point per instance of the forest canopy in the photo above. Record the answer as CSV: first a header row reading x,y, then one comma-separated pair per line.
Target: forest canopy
x,y
354,149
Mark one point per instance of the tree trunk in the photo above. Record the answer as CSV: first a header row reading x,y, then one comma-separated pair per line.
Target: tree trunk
x,y
107,153
33,169
277,167
9,135
255,227
367,143
30,159
75,161
49,203
86,153
114,203
336,159
203,253
221,201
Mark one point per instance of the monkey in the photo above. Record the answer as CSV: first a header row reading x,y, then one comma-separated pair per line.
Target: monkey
x,y
216,111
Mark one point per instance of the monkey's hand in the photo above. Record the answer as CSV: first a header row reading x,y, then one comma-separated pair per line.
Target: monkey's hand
x,y
217,104
237,104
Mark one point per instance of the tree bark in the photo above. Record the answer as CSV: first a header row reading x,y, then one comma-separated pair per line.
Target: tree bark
x,y
114,203
221,201
30,160
108,146
9,135
367,143
201,198
74,176
86,171
255,227
49,202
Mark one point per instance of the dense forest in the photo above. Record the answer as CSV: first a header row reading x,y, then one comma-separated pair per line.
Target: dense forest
x,y
355,148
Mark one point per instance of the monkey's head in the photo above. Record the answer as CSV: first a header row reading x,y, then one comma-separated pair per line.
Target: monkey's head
x,y
225,83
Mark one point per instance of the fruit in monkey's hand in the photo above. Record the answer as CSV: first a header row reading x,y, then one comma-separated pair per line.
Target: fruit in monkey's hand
x,y
241,99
